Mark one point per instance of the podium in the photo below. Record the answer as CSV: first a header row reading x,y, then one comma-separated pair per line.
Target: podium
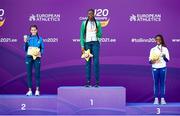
x,y
28,105
91,100
82,101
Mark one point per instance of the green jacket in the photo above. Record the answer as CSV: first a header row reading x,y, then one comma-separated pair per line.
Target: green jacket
x,y
82,37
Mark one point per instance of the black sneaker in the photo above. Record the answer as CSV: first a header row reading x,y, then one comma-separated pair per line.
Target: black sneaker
x,y
88,84
96,85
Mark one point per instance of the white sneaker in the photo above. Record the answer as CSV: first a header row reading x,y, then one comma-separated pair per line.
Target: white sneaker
x,y
29,93
37,93
163,102
156,101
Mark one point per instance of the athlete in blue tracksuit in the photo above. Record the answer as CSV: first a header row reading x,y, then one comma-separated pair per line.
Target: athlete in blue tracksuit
x,y
33,40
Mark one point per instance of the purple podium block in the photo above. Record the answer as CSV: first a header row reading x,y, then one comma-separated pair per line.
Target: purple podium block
x,y
47,105
83,100
23,105
150,109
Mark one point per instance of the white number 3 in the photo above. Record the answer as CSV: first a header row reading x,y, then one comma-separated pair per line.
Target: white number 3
x,y
158,111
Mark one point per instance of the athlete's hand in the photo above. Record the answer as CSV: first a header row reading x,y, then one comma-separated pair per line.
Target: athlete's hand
x,y
153,61
83,50
25,38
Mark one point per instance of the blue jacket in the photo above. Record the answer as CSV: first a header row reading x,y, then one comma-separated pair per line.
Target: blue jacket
x,y
34,41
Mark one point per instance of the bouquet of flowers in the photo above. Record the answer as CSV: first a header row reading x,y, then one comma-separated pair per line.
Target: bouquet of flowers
x,y
34,52
87,55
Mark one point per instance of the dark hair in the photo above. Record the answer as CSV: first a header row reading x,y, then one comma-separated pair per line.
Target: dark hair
x,y
34,26
162,40
91,10
88,20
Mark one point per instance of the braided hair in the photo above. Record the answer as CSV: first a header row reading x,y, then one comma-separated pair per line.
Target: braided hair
x,y
87,22
162,40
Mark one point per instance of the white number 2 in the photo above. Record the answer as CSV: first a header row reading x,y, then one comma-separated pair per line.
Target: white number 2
x,y
23,106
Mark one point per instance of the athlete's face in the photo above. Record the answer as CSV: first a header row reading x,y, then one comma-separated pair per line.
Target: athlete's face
x,y
33,31
158,40
90,15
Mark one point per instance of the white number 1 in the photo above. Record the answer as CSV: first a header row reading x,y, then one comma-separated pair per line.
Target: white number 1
x,y
91,102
